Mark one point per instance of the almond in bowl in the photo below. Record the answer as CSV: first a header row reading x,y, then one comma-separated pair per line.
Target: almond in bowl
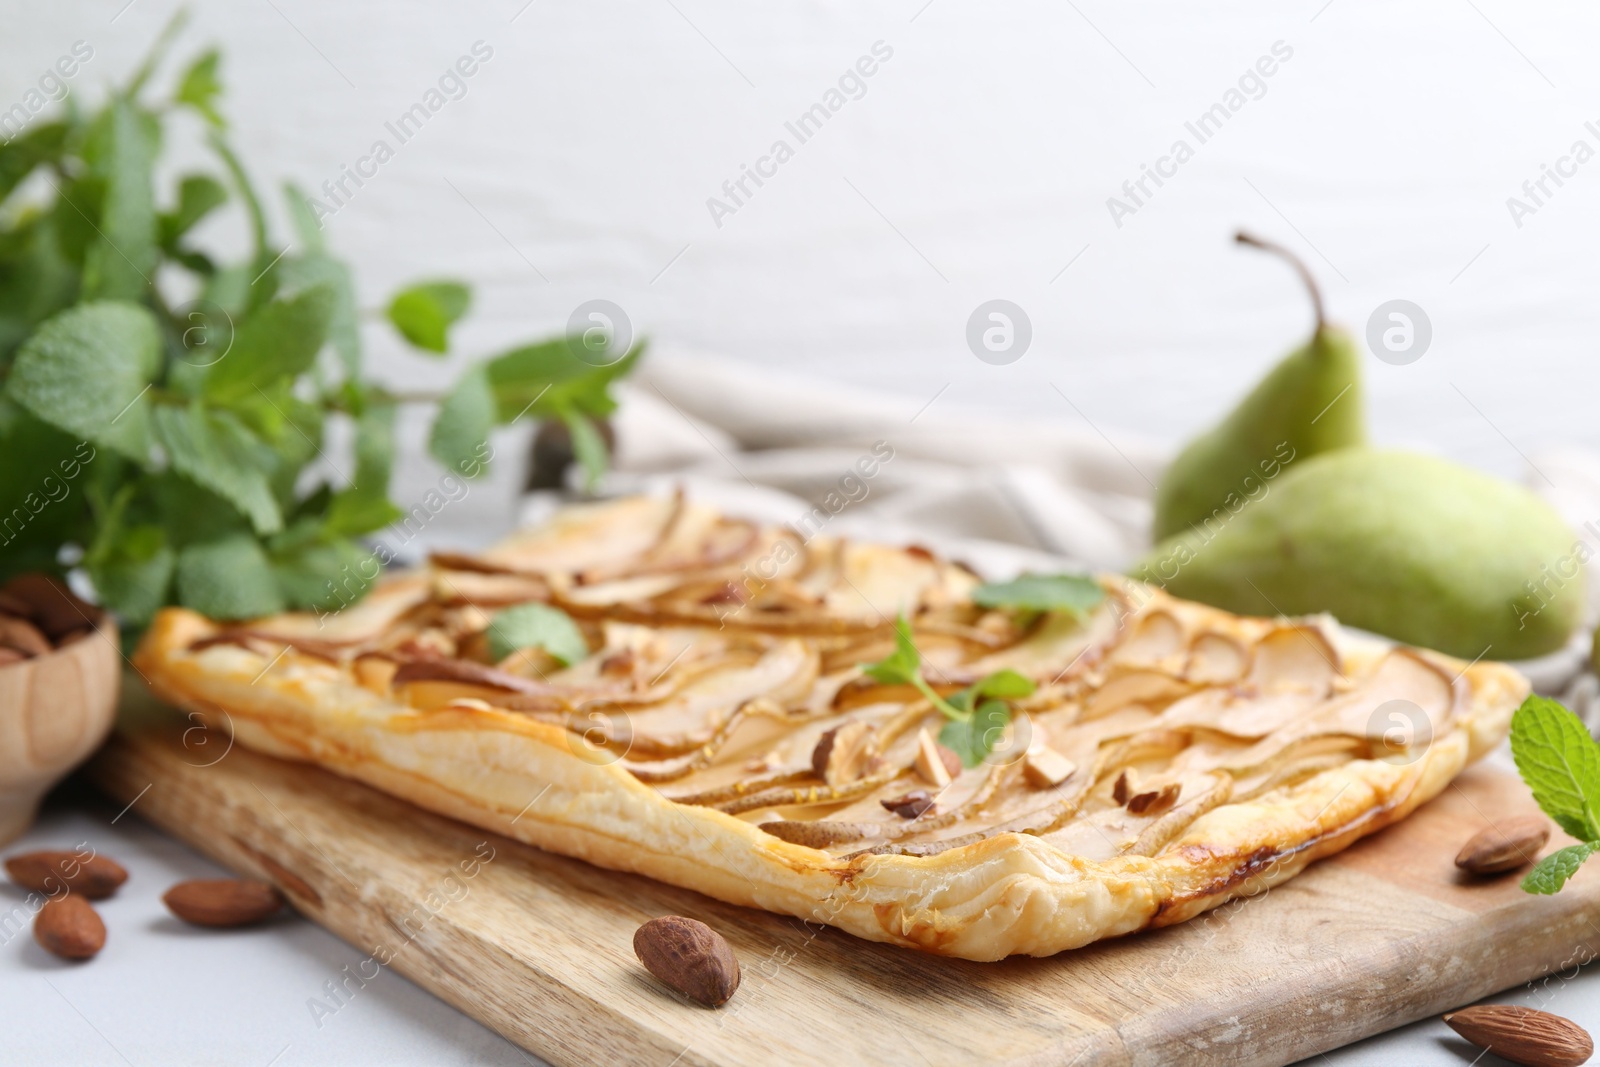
x,y
60,668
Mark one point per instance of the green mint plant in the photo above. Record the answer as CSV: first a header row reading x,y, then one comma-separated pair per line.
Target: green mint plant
x,y
161,403
977,715
1560,762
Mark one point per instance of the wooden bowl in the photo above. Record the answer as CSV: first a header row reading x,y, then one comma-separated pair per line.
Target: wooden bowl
x,y
55,709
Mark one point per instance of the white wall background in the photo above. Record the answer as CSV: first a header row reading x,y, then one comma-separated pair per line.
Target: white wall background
x,y
977,165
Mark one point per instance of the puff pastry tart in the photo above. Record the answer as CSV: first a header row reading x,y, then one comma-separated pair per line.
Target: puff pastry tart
x,y
722,735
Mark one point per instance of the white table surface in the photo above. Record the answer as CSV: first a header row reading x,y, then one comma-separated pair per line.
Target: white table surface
x,y
162,994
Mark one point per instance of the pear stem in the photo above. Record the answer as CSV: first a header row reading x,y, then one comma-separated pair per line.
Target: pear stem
x,y
1294,261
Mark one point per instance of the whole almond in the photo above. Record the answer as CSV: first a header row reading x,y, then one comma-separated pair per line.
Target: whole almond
x,y
690,957
1511,844
46,871
52,607
1523,1035
22,636
223,901
11,604
70,928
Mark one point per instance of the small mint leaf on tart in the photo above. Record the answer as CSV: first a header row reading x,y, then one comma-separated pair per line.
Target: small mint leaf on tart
x,y
537,626
978,714
1071,594
974,738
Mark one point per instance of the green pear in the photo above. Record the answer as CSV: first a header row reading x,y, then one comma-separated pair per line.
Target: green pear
x,y
1309,404
1406,545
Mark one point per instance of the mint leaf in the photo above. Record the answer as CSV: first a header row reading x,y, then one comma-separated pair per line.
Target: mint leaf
x,y
424,313
229,288
1552,872
540,381
247,192
1074,594
20,156
86,370
365,506
285,434
903,666
537,626
526,379
352,514
1560,762
131,571
1006,684
157,52
587,446
589,392
974,738
198,196
37,459
189,514
974,732
214,451
306,224
279,341
122,256
463,424
546,380
324,576
199,87
36,280
228,579
299,273
374,447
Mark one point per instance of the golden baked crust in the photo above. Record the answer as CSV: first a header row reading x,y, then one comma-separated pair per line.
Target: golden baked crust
x,y
1210,756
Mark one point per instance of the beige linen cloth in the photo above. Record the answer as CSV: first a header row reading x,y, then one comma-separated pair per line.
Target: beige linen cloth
x,y
1004,495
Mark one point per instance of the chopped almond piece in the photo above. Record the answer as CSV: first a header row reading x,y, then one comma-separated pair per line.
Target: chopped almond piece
x,y
842,753
930,764
952,762
1044,767
375,673
913,805
1155,801
1123,789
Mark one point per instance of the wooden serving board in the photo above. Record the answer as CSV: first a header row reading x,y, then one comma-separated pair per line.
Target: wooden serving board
x,y
539,946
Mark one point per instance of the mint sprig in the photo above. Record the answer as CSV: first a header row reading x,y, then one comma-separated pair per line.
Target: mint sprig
x,y
1560,762
978,714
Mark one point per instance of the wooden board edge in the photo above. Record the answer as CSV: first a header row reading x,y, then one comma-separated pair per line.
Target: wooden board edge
x,y
123,770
